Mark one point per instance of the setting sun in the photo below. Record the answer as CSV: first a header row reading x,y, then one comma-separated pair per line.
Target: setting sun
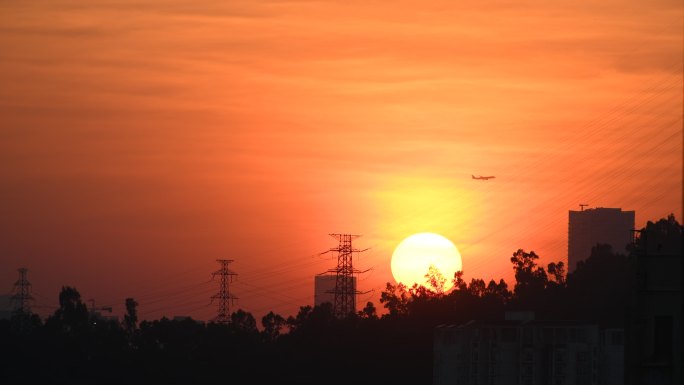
x,y
413,257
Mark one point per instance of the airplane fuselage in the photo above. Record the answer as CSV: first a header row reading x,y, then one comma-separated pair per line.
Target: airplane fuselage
x,y
479,177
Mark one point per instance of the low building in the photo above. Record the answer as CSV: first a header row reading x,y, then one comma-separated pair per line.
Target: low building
x,y
520,350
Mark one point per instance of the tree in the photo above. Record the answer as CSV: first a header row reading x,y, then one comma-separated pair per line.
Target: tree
x,y
557,271
311,320
498,290
459,283
243,321
601,286
477,287
530,279
294,323
662,237
369,312
435,279
131,317
72,314
394,298
273,324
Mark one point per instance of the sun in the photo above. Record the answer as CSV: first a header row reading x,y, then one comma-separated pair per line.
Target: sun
x,y
414,255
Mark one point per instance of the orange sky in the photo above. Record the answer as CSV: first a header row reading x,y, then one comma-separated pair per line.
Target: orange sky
x,y
141,140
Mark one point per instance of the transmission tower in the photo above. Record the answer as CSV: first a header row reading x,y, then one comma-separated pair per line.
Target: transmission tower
x,y
345,289
22,297
225,299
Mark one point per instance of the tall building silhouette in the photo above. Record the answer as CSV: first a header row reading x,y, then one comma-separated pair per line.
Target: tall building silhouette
x,y
587,228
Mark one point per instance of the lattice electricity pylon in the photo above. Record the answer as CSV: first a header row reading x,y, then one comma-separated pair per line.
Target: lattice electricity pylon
x,y
345,292
22,292
225,299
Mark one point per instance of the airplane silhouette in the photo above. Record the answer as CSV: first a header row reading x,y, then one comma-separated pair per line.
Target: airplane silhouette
x,y
482,177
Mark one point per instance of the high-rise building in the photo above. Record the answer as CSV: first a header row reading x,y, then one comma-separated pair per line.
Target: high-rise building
x,y
587,228
324,288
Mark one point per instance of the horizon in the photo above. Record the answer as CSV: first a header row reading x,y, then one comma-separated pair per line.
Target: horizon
x,y
212,285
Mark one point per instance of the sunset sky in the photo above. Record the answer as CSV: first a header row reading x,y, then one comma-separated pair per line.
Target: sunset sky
x,y
142,140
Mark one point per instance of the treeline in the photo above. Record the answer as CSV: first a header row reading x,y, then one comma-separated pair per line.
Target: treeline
x,y
313,347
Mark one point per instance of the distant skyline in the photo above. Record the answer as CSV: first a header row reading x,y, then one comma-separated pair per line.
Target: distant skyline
x,y
142,140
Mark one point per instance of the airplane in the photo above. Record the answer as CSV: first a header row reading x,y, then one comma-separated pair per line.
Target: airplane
x,y
482,177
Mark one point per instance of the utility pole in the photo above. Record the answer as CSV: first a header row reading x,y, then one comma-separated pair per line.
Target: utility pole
x,y
582,206
22,296
225,299
345,289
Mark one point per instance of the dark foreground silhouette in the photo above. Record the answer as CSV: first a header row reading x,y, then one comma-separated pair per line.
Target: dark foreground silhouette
x,y
313,347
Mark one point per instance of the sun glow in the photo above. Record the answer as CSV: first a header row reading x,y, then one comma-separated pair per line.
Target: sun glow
x,y
413,257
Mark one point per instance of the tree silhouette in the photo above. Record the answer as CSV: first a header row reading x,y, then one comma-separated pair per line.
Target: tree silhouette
x,y
600,287
395,299
661,237
435,280
498,290
273,324
477,287
369,311
530,279
72,314
459,283
243,321
557,271
312,318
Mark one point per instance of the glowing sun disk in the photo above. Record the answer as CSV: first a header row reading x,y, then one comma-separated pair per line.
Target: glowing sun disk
x,y
413,257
